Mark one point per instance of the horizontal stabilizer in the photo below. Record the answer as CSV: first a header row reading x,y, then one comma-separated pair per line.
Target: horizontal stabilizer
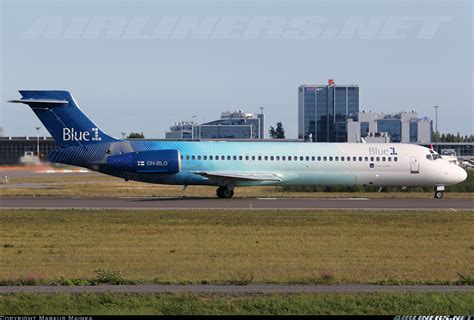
x,y
40,101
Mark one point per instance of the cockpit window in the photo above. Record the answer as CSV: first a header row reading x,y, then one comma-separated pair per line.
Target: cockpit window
x,y
433,156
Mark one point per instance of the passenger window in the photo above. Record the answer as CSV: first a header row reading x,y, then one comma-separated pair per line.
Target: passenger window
x,y
205,157
348,158
211,157
271,158
378,158
307,158
253,158
371,158
383,158
235,157
395,159
295,158
246,157
355,159
336,158
266,158
342,158
283,158
319,158
259,158
330,158
193,157
366,158
182,157
301,158
199,157
325,158
240,158
277,158
360,159
389,159
187,157
313,158
289,158
228,157
222,157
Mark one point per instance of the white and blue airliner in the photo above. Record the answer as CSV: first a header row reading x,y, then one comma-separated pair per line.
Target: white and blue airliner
x,y
232,164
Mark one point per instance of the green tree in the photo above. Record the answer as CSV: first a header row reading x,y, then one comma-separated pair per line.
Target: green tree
x,y
278,133
450,137
136,135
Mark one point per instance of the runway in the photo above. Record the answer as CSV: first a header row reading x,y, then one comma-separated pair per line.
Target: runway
x,y
240,289
237,203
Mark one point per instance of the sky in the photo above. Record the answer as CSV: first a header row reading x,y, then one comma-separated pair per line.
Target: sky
x,y
141,66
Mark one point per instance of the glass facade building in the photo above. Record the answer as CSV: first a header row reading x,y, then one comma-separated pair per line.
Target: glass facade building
x,y
413,131
392,126
232,125
405,127
323,111
13,148
464,150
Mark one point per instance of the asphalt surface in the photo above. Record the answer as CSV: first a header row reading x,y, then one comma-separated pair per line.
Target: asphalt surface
x,y
236,289
236,203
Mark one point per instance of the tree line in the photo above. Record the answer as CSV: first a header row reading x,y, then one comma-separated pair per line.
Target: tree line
x,y
449,137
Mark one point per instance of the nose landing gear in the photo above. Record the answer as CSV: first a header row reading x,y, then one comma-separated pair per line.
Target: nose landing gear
x,y
225,192
439,192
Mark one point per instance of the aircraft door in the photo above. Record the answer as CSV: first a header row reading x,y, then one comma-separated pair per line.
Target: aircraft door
x,y
414,165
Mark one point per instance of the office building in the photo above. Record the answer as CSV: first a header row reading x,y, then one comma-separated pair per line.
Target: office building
x,y
405,127
12,149
232,125
323,111
181,130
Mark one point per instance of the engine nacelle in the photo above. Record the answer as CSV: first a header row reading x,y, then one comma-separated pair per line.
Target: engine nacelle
x,y
153,161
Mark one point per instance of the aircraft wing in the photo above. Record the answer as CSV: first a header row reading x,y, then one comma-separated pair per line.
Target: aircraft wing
x,y
229,175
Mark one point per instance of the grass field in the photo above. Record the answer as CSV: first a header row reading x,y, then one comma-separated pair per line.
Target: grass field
x,y
205,246
99,185
173,304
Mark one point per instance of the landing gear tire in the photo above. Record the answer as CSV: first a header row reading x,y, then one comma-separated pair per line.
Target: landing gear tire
x,y
224,192
439,195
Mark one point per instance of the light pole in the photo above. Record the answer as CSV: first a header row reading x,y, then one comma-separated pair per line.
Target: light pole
x,y
436,127
192,126
38,141
261,125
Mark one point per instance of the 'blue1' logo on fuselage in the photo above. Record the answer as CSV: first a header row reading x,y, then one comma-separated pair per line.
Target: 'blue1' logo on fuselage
x,y
376,151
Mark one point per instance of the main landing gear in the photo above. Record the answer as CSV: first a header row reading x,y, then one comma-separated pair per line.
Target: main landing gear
x,y
439,193
225,192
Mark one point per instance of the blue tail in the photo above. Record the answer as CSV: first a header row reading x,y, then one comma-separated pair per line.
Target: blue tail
x,y
61,116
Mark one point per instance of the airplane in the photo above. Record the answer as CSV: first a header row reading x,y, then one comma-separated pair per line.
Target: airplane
x,y
234,164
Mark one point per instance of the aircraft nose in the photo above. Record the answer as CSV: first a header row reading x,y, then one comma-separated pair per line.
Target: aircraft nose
x,y
454,174
462,174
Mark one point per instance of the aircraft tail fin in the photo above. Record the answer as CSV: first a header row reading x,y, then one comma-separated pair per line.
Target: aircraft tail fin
x,y
61,116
